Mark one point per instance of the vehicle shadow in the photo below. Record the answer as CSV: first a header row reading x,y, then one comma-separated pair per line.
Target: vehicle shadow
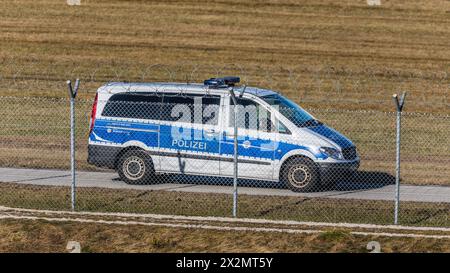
x,y
361,180
364,180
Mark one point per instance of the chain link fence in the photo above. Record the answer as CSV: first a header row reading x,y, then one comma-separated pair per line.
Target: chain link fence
x,y
168,149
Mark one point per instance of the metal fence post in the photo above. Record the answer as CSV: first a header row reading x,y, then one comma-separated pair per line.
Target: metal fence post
x,y
235,157
72,93
399,106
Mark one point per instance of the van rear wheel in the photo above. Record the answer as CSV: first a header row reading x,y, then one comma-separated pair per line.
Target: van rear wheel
x,y
301,175
136,168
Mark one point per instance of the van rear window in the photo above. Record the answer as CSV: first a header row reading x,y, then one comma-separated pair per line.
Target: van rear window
x,y
137,106
175,108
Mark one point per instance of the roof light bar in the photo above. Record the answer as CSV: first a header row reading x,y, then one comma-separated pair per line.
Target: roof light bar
x,y
222,82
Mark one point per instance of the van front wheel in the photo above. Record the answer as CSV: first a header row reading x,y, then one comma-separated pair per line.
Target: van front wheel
x,y
301,175
136,168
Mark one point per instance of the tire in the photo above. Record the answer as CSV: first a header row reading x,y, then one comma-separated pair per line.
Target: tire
x,y
301,175
135,167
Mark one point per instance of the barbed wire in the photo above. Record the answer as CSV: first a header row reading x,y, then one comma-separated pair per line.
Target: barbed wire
x,y
89,101
336,84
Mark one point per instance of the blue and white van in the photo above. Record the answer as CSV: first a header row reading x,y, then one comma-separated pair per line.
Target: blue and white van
x,y
143,130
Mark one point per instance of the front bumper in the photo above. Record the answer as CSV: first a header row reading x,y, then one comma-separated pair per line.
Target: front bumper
x,y
330,170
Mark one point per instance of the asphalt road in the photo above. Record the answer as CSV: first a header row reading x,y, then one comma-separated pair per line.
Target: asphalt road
x,y
346,190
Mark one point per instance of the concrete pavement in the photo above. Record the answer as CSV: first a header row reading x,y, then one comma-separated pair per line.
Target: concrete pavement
x,y
110,180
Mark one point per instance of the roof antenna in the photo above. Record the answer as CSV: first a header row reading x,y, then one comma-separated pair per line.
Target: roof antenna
x,y
243,91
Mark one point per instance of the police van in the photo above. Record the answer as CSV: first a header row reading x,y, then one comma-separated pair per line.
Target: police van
x,y
142,130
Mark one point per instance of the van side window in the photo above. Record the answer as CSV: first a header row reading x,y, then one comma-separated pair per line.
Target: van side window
x,y
210,110
192,108
133,105
251,115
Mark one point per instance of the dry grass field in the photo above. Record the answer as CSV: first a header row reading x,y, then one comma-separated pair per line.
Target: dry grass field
x,y
319,52
44,236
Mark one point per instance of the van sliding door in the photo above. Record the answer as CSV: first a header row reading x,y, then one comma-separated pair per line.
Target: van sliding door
x,y
189,139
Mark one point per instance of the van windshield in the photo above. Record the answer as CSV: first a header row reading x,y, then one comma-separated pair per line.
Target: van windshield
x,y
291,111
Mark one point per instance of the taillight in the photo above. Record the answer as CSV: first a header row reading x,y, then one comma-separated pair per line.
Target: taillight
x,y
94,110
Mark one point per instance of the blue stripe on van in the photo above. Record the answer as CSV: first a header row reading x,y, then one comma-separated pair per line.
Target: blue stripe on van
x,y
120,132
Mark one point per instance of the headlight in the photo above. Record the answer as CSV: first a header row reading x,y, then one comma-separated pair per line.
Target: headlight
x,y
331,152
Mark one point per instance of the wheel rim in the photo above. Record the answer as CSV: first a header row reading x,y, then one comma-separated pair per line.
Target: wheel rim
x,y
134,168
299,176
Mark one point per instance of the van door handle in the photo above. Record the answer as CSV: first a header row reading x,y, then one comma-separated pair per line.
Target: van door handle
x,y
211,132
